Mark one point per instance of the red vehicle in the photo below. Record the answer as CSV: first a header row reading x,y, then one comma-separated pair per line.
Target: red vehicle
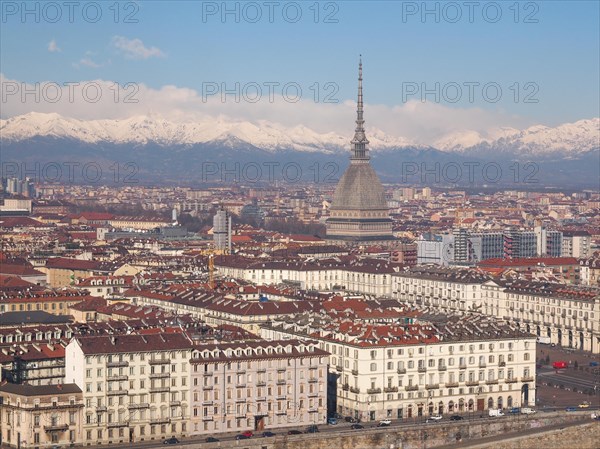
x,y
560,365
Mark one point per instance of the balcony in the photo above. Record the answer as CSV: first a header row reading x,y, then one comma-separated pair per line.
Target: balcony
x,y
472,383
313,394
261,383
374,391
442,368
207,374
207,387
390,389
207,418
339,368
451,384
56,428
482,365
345,387
432,386
117,364
241,371
280,381
159,375
411,387
280,397
117,378
101,408
159,389
160,420
354,390
422,369
401,371
159,361
511,381
462,366
138,406
261,370
527,379
492,382
261,398
501,363
280,413
116,393
355,372
281,370
175,403
313,380
114,425
207,402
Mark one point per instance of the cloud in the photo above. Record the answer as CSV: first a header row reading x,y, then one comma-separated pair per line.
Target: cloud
x,y
135,48
423,123
53,47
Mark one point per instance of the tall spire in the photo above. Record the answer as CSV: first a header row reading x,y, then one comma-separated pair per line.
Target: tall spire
x,y
360,142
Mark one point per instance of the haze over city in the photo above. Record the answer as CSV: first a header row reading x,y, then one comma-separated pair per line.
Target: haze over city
x,y
300,224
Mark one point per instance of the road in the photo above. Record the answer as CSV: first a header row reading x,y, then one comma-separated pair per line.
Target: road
x,y
340,429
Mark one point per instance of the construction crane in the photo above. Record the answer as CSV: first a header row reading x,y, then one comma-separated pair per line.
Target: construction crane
x,y
211,271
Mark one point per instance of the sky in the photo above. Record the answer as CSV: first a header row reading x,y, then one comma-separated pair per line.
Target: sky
x,y
430,68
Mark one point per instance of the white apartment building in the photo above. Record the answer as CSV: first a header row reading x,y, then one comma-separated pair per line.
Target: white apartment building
x,y
257,385
569,315
397,371
446,289
369,276
135,387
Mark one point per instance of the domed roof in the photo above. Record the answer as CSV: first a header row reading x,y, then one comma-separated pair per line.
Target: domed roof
x,y
359,188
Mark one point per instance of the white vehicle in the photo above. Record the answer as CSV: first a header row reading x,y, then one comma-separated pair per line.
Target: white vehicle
x,y
495,412
527,411
434,418
543,340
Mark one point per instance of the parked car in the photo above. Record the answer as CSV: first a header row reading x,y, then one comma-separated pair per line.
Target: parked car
x,y
356,427
244,435
584,404
527,411
384,423
593,363
514,410
294,432
332,421
433,418
571,409
456,418
495,412
350,419
312,429
212,440
268,434
171,440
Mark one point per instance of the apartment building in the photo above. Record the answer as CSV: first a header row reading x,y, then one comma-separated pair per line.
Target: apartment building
x,y
257,385
40,416
569,315
134,387
436,365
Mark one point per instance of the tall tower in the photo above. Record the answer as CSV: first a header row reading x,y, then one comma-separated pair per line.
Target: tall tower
x,y
359,211
222,231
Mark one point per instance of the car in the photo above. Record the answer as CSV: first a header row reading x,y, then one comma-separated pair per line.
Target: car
x,y
268,434
212,440
433,418
527,411
350,419
571,409
456,418
338,416
294,432
312,429
244,435
384,423
356,427
514,411
584,404
171,440
332,421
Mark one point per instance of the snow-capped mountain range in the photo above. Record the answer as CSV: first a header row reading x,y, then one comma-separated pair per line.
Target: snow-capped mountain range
x,y
569,139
